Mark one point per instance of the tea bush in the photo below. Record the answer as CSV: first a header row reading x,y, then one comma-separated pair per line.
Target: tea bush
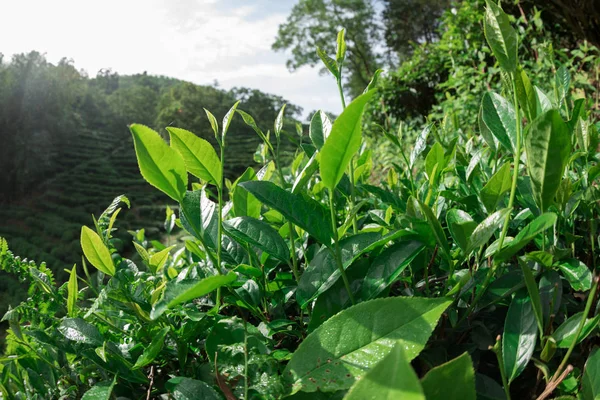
x,y
470,272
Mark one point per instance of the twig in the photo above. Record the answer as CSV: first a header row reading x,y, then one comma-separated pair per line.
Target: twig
x,y
151,377
553,383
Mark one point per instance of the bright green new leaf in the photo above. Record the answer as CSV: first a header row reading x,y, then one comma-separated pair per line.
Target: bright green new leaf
x,y
213,122
160,165
158,260
96,251
454,380
320,128
420,145
525,235
436,229
520,333
461,226
343,141
199,217
153,350
302,211
306,174
498,115
390,379
100,391
247,230
329,63
350,343
278,125
496,187
227,120
565,333
562,80
177,292
341,47
577,273
244,203
501,36
543,103
526,94
434,158
590,383
200,157
249,120
190,389
486,228
548,146
72,292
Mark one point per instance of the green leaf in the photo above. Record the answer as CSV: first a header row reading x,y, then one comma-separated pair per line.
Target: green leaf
x,y
72,292
520,330
434,158
323,271
244,203
454,380
190,389
302,211
347,345
160,165
213,122
548,146
534,295
158,260
498,184
329,63
258,233
498,115
487,135
77,330
306,174
153,350
227,120
100,391
199,217
320,128
341,47
526,95
486,228
374,81
278,126
420,145
343,141
501,36
562,80
387,266
200,157
391,378
577,273
590,383
249,120
461,226
565,333
96,252
436,228
543,103
177,292
525,235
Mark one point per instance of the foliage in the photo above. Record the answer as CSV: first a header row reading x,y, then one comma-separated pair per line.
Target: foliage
x,y
469,272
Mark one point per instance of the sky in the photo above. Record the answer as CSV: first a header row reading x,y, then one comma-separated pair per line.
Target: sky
x,y
195,40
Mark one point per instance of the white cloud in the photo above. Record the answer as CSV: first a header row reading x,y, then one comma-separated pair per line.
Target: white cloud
x,y
195,40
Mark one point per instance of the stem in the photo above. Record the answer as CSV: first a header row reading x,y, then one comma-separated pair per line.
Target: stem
x,y
245,361
220,222
338,254
498,350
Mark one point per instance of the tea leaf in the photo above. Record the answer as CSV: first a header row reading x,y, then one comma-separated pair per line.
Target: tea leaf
x,y
258,233
391,378
454,380
500,36
534,295
96,251
199,156
100,391
526,95
548,146
190,389
525,235
420,145
461,226
590,383
498,115
160,165
565,333
72,289
347,345
320,128
520,330
486,228
343,141
153,350
577,273
329,63
80,331
301,211
436,228
495,188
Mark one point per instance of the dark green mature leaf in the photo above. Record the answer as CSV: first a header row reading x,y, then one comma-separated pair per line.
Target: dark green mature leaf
x,y
590,383
177,292
199,156
391,378
525,235
245,204
520,331
420,145
565,333
461,226
320,128
190,389
199,217
498,115
501,36
347,345
100,391
436,228
577,273
153,349
386,268
454,380
343,141
302,211
77,330
258,233
548,146
487,135
534,294
486,228
495,188
160,165
96,251
323,271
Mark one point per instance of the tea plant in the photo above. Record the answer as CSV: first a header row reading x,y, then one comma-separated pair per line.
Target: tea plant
x,y
469,273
